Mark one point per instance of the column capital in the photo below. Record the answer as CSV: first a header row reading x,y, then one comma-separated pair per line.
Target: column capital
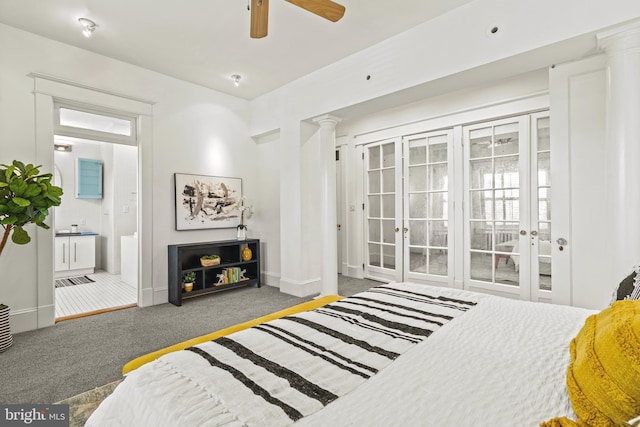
x,y
622,38
327,120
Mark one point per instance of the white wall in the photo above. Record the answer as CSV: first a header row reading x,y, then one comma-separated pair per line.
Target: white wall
x,y
125,205
264,224
195,130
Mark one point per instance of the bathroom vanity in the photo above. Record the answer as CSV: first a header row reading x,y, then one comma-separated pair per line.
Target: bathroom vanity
x,y
75,253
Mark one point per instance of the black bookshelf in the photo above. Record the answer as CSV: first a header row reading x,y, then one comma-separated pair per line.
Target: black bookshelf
x,y
185,258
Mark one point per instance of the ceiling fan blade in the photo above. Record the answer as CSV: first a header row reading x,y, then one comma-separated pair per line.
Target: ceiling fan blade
x,y
259,18
323,8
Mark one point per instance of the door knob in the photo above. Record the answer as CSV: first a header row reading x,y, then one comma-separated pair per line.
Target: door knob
x,y
562,241
397,229
523,233
534,233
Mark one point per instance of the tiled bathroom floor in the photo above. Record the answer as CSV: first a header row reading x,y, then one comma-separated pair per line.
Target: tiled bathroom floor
x,y
108,291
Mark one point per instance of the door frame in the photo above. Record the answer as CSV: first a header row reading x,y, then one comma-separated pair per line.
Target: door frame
x,y
46,91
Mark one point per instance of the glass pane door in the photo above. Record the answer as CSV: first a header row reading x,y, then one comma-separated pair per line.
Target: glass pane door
x,y
382,211
426,206
541,208
496,206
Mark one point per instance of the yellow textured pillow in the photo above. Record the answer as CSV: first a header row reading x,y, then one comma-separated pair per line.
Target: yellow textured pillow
x,y
603,378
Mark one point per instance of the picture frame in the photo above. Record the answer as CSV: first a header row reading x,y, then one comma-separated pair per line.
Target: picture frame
x,y
204,202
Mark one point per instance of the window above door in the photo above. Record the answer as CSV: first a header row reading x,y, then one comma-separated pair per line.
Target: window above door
x,y
85,122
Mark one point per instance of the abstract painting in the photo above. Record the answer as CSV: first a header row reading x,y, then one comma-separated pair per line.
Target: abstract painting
x,y
207,201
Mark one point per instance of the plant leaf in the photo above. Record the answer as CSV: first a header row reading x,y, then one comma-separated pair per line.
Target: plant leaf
x,y
21,202
8,173
32,190
9,220
18,186
20,236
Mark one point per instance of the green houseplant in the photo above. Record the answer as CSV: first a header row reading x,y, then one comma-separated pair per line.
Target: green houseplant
x,y
26,196
188,279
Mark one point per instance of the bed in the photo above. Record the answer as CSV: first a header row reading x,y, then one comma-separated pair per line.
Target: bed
x,y
399,354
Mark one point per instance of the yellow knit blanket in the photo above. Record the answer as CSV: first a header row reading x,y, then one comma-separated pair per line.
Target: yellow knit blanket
x,y
603,378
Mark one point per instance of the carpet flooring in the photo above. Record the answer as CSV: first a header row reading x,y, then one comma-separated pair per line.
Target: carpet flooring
x,y
53,364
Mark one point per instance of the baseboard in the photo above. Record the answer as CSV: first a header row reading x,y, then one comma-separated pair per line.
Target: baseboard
x,y
354,271
344,267
46,315
160,296
146,297
300,288
23,320
270,279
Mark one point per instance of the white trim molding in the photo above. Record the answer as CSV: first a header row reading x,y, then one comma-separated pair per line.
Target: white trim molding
x,y
300,288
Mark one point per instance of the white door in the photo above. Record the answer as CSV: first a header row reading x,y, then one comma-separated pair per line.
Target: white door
x,y
540,234
82,252
507,212
383,211
427,208
408,208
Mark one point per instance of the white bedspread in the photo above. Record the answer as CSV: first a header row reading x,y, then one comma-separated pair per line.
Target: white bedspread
x,y
502,363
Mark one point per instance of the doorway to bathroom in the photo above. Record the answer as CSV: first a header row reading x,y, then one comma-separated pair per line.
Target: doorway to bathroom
x,y
96,248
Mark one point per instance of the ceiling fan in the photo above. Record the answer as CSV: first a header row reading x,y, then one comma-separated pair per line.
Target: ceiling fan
x,y
260,13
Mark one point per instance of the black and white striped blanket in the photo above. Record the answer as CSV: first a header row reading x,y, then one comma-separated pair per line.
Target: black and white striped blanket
x,y
278,372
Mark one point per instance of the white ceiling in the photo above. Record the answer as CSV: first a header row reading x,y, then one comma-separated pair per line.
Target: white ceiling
x,y
207,41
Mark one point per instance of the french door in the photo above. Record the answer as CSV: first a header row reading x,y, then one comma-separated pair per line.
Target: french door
x,y
504,227
427,210
383,211
507,214
407,208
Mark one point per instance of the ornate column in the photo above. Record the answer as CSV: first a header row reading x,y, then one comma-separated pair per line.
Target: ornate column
x,y
622,47
329,284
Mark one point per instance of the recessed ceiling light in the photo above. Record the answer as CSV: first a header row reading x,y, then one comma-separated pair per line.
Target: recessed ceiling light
x,y
62,147
89,26
236,79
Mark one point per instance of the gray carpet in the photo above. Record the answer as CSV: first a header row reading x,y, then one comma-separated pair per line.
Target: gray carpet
x,y
55,363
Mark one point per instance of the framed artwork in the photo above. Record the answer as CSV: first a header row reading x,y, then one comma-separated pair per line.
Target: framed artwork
x,y
207,201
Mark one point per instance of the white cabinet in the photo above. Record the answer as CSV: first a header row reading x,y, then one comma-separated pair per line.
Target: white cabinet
x,y
75,255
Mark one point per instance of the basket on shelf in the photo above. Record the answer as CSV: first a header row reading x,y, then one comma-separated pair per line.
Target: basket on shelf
x,y
210,260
